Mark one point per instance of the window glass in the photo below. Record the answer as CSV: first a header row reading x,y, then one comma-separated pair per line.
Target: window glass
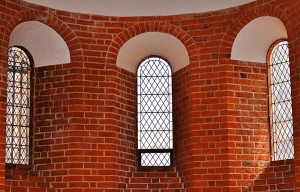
x,y
281,103
18,107
155,120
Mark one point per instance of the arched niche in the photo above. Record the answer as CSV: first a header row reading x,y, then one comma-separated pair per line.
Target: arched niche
x,y
45,45
152,43
254,40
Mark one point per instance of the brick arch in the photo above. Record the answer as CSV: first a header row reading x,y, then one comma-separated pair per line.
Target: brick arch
x,y
163,27
53,22
243,18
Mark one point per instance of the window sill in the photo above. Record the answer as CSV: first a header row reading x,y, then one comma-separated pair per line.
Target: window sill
x,y
155,169
18,166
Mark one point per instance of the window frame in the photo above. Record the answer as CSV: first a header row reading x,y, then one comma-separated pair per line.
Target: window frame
x,y
269,101
140,151
31,110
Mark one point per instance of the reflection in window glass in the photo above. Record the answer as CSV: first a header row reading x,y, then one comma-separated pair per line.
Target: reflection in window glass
x,y
18,107
155,121
281,103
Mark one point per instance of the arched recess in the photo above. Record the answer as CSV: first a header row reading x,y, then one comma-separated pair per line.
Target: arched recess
x,y
59,27
145,33
46,46
152,43
253,41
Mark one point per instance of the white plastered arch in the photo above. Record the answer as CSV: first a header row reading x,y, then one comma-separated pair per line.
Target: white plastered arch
x,y
45,45
152,43
254,40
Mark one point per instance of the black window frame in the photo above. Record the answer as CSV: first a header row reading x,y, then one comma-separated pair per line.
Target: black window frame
x,y
169,150
272,123
31,108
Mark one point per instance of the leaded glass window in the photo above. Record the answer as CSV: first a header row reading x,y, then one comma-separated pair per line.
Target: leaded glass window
x,y
18,107
281,117
155,120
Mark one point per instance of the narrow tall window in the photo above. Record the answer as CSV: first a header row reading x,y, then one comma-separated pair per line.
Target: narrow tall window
x,y
155,121
18,107
281,117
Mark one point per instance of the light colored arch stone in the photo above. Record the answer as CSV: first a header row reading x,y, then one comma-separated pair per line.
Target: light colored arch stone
x,y
254,40
45,45
152,43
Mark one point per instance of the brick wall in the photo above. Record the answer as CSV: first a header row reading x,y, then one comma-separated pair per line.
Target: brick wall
x,y
84,132
279,176
22,178
248,130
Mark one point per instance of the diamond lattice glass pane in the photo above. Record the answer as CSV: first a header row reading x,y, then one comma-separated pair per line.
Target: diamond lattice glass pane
x,y
281,113
155,159
18,109
155,123
155,139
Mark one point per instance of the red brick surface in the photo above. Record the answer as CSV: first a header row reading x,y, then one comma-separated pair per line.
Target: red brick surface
x,y
279,176
84,131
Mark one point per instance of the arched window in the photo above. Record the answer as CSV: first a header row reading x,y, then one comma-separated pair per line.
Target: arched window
x,y
155,120
18,112
280,102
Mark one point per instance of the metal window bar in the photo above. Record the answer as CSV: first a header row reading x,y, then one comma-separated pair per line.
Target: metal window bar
x,y
281,117
155,120
18,107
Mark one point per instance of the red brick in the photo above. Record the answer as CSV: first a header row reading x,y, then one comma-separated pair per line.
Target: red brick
x,y
85,120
